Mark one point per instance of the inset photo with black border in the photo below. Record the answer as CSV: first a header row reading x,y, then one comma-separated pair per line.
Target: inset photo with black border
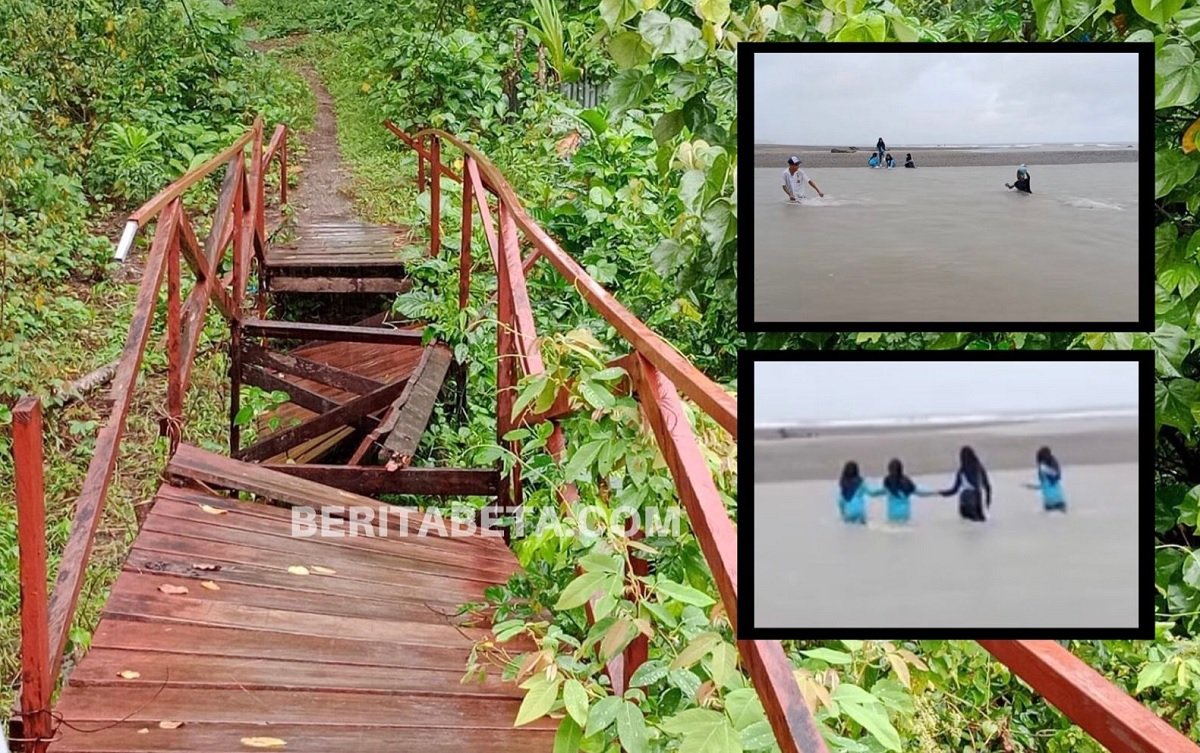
x,y
951,494
942,187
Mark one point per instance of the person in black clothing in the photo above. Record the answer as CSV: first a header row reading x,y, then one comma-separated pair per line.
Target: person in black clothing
x,y
1022,182
890,162
880,147
908,161
972,481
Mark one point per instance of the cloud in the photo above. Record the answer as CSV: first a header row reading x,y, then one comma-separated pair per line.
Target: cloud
x,y
945,98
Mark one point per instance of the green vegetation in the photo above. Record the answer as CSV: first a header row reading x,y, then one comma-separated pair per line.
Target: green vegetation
x,y
641,190
101,104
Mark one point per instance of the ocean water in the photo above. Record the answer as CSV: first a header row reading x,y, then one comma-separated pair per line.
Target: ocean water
x,y
1024,568
948,244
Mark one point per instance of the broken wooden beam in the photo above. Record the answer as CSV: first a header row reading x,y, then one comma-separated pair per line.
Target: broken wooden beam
x,y
340,333
343,415
302,396
374,480
302,367
340,285
412,415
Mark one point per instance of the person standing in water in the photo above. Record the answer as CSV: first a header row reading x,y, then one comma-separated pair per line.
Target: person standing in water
x,y
852,494
1049,481
908,161
900,490
972,481
1022,182
880,148
794,179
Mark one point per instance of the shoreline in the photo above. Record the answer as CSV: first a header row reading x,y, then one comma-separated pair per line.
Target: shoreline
x,y
928,157
1000,446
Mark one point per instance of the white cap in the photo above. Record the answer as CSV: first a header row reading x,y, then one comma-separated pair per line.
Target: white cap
x,y
793,160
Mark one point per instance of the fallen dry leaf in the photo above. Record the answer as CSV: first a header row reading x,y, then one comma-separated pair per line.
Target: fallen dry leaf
x,y
263,742
199,566
298,570
322,570
165,724
392,466
172,589
1189,137
129,674
144,731
213,510
209,585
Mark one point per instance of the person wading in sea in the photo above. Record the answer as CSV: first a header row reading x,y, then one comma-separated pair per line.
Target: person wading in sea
x,y
1022,183
794,179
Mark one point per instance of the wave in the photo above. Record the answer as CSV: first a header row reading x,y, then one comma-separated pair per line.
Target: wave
x,y
1093,204
946,420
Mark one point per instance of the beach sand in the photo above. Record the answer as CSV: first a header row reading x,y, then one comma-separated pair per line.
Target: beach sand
x,y
773,155
1024,568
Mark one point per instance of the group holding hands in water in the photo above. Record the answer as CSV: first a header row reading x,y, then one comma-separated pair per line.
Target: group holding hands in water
x,y
970,483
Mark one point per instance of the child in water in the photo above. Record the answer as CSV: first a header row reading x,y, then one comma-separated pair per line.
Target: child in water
x,y
852,495
890,161
972,481
1049,481
873,161
900,490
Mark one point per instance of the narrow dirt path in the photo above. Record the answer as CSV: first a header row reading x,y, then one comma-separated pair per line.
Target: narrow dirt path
x,y
321,186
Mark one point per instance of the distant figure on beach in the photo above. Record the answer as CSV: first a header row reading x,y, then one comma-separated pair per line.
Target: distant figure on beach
x,y
880,148
908,161
890,162
972,481
873,161
794,179
900,490
1049,481
1022,182
852,494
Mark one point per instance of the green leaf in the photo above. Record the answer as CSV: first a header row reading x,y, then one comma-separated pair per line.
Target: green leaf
x,y
603,714
575,698
531,391
671,36
617,12
1180,76
724,663
865,709
903,30
695,650
692,721
538,700
743,708
704,731
1171,345
863,27
601,562
569,736
718,223
631,728
594,119
758,736
1152,675
1173,403
666,256
596,395
628,49
1157,12
714,11
668,126
828,655
581,589
1055,16
648,673
609,374
582,459
1171,168
1191,570
1181,274
686,594
627,90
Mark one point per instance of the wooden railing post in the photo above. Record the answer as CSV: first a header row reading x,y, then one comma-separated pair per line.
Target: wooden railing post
x,y
464,250
235,385
283,165
435,196
37,682
420,167
174,418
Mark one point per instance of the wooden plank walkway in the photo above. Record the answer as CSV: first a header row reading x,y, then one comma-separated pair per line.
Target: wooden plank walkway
x,y
358,656
339,255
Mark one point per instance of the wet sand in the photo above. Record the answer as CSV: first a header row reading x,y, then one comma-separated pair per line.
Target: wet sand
x,y
773,155
1024,568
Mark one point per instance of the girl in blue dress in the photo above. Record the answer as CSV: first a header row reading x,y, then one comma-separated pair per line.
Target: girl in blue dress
x,y
1049,481
853,491
900,490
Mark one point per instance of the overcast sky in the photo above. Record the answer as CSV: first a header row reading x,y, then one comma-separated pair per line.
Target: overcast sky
x,y
807,98
832,390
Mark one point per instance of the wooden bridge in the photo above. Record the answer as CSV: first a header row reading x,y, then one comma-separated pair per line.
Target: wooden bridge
x,y
226,630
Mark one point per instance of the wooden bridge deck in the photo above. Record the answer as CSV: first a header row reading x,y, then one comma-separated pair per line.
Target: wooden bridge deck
x,y
362,652
336,255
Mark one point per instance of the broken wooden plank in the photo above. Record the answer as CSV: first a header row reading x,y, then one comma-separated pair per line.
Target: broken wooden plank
x,y
342,379
413,415
340,284
373,480
342,333
343,415
393,413
302,396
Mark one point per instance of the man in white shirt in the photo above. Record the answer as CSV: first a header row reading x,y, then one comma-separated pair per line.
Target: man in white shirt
x,y
794,179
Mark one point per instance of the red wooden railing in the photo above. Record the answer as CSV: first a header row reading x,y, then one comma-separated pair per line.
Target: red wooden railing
x,y
657,374
239,220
